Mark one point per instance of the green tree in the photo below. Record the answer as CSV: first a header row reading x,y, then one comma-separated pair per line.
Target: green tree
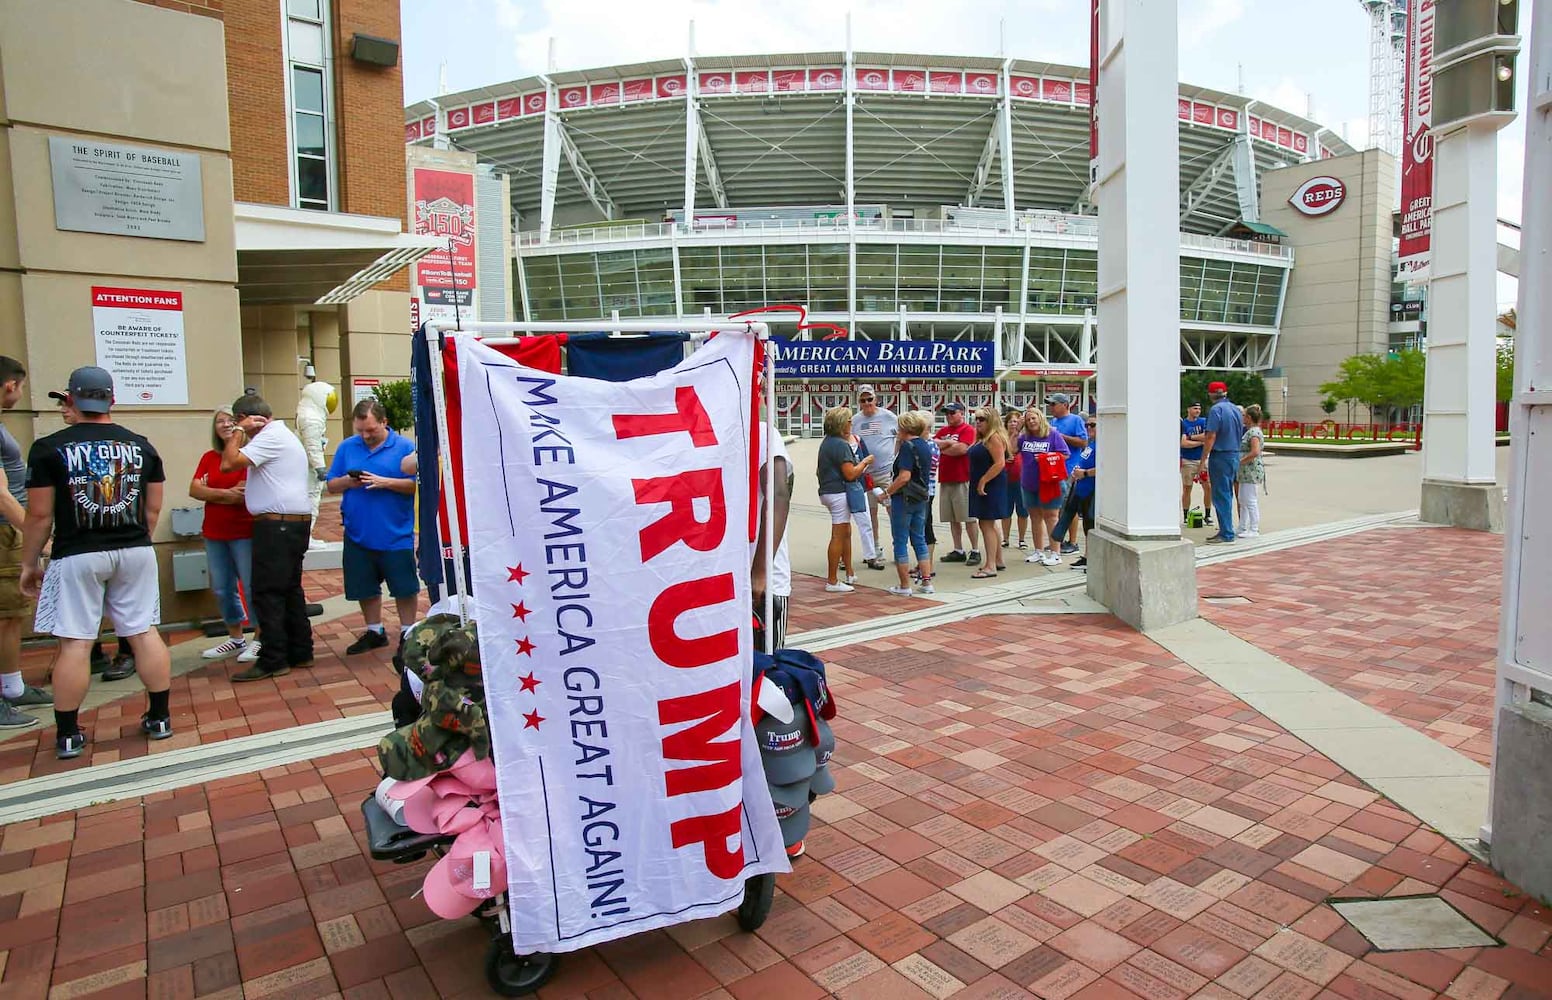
x,y
1385,383
395,397
1505,369
1244,387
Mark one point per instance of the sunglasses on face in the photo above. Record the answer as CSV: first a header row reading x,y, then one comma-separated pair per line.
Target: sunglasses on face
x,y
867,399
1091,425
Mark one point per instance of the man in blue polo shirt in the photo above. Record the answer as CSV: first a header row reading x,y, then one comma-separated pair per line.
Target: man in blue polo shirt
x,y
378,509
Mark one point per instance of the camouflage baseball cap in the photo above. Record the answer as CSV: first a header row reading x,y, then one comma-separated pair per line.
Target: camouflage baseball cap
x,y
446,654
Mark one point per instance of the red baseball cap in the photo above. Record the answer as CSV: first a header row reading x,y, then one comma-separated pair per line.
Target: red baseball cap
x,y
1216,387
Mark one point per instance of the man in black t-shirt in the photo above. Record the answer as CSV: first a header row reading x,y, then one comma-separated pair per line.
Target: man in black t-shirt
x,y
98,487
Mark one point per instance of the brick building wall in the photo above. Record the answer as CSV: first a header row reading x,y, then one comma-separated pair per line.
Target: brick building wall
x,y
368,106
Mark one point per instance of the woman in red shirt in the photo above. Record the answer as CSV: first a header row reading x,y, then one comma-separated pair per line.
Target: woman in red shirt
x,y
228,535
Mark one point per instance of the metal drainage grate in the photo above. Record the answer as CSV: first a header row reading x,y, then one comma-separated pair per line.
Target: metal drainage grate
x,y
896,665
1413,923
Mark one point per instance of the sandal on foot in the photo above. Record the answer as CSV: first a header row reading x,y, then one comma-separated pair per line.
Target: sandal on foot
x,y
983,575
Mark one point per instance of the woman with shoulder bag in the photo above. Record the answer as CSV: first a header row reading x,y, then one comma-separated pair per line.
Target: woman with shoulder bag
x,y
907,495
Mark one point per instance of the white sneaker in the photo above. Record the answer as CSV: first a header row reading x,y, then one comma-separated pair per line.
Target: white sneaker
x,y
839,588
925,588
851,579
1035,557
901,591
1249,534
1050,559
250,654
224,650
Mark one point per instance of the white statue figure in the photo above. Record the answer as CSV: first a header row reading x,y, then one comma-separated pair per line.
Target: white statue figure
x,y
312,425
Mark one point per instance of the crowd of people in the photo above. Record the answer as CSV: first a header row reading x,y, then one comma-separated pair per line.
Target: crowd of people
x,y
90,497
983,469
1022,479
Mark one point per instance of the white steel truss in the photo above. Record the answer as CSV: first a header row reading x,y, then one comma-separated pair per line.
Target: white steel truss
x,y
1196,192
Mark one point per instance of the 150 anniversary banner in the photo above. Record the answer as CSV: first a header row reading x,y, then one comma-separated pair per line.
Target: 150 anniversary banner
x,y
1417,142
610,552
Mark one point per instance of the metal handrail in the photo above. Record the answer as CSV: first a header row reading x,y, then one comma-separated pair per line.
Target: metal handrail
x,y
1053,224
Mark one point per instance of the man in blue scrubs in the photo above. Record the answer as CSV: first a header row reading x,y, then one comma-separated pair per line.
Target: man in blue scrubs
x,y
378,509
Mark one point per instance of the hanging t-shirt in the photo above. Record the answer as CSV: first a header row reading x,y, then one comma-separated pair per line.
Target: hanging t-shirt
x,y
99,474
224,522
1029,469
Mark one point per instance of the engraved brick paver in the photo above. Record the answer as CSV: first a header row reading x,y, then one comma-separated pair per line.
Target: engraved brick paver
x,y
1054,808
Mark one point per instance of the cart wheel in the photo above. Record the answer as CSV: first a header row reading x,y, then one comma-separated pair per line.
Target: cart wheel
x,y
756,906
516,975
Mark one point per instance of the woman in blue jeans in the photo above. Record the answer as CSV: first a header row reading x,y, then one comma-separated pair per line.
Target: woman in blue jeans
x,y
228,532
908,497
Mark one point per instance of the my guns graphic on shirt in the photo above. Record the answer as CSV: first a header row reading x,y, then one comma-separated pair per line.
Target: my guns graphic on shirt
x,y
104,480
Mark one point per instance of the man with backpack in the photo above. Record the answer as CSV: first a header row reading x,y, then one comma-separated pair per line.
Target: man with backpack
x,y
1193,427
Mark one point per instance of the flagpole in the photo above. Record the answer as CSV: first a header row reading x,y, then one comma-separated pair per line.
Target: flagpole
x,y
445,458
768,346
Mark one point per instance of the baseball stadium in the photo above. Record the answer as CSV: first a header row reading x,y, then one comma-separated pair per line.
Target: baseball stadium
x,y
922,198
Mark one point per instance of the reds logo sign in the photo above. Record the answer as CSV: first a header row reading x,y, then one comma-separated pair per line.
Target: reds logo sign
x,y
1319,196
445,217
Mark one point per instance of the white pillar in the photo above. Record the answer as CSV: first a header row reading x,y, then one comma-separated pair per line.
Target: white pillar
x,y
692,137
1459,456
1521,787
849,98
1005,145
549,180
1138,565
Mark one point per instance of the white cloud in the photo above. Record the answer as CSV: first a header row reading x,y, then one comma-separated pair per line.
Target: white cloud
x,y
1200,20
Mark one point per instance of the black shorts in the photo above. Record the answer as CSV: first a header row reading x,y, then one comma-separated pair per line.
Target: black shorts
x,y
366,570
932,536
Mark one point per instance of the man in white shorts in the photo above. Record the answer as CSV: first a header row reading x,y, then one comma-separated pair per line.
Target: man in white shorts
x,y
98,487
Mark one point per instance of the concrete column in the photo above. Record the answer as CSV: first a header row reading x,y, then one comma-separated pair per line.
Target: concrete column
x,y
1522,738
1139,566
1459,482
549,180
1005,145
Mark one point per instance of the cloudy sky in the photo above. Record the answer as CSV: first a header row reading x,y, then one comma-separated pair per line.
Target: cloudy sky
x,y
1306,56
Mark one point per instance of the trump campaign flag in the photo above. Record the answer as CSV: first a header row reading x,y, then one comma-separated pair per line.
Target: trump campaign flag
x,y
610,555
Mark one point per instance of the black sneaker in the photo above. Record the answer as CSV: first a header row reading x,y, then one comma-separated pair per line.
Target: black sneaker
x,y
1082,562
370,640
156,729
122,666
1068,548
973,559
956,556
68,747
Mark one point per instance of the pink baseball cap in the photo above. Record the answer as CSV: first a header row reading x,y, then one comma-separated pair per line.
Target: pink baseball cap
x,y
449,885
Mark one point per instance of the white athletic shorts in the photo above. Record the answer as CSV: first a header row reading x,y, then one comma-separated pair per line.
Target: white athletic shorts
x,y
78,590
835,503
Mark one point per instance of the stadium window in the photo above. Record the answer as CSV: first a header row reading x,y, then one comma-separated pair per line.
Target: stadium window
x,y
655,279
999,280
1242,293
1080,281
1215,291
544,287
1190,288
579,286
310,104
1045,279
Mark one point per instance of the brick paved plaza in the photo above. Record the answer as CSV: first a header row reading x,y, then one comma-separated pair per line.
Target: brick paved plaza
x,y
1028,804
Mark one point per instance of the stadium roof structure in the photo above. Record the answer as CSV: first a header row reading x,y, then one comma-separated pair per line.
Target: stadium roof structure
x,y
772,130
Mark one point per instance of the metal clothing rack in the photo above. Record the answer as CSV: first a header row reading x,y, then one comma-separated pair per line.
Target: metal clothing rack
x,y
511,333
